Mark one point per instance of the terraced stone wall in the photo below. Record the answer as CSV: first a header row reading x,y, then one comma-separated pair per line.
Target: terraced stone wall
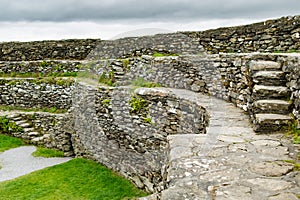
x,y
36,93
269,36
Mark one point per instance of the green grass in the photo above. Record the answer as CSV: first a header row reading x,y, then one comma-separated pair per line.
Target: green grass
x,y
158,54
78,179
50,110
47,153
8,142
38,74
141,82
294,132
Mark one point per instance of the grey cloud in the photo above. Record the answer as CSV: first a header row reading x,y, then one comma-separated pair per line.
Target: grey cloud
x,y
154,10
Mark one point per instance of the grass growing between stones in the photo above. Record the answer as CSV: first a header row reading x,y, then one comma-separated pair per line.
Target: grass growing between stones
x,y
47,153
49,110
76,179
295,132
141,82
8,142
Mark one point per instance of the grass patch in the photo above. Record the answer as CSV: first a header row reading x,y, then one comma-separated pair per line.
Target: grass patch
x,y
47,153
296,164
288,51
294,132
8,142
77,179
49,110
141,82
159,54
38,74
8,126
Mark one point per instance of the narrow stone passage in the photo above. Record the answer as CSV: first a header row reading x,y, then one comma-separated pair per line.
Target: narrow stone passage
x,y
19,161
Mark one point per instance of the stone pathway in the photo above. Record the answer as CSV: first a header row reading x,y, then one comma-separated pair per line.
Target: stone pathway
x,y
230,161
19,161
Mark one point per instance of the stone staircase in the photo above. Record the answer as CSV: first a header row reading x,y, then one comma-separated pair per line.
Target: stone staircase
x,y
271,106
29,133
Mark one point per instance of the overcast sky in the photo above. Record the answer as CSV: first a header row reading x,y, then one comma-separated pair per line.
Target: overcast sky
x,y
24,20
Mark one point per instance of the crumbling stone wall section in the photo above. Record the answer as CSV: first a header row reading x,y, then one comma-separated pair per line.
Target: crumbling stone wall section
x,y
270,36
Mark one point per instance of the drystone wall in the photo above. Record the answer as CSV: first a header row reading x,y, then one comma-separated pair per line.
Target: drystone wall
x,y
173,43
41,128
36,93
46,50
38,68
127,131
270,36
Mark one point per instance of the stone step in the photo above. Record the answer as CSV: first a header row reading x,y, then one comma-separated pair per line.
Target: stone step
x,y
270,92
274,78
262,65
269,122
274,106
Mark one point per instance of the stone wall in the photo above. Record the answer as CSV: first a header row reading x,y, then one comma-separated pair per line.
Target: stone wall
x,y
38,68
172,43
41,128
46,50
270,36
36,93
132,142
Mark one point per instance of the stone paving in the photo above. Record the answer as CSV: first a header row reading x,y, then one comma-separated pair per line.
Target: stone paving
x,y
230,161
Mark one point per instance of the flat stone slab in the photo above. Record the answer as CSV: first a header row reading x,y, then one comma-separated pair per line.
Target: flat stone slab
x,y
272,169
274,106
273,118
264,65
265,91
19,161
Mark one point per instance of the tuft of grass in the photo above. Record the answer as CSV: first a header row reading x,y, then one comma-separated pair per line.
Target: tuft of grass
x,y
77,179
47,153
294,132
49,110
159,54
295,163
141,82
8,126
8,142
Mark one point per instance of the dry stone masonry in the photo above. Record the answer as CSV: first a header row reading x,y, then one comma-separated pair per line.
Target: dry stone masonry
x,y
192,138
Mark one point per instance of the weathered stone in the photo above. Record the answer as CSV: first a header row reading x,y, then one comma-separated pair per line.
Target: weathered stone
x,y
272,106
270,184
271,122
265,92
264,65
284,196
271,78
277,168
